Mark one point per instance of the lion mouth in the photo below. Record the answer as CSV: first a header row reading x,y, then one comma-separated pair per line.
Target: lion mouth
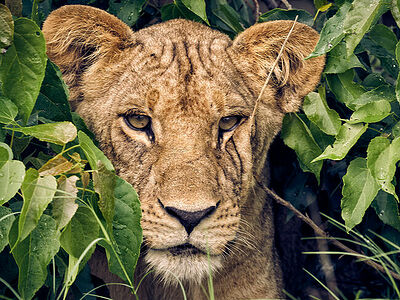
x,y
185,249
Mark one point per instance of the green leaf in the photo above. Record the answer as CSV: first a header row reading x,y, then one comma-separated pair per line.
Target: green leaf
x,y
6,27
359,190
382,157
104,185
23,66
318,112
92,153
56,166
8,110
344,88
80,232
127,10
37,193
170,11
359,19
229,17
332,32
396,130
198,7
283,14
57,133
127,233
6,221
64,206
383,92
371,112
384,37
297,136
320,3
395,9
348,135
338,62
33,254
11,177
398,77
52,102
6,154
387,209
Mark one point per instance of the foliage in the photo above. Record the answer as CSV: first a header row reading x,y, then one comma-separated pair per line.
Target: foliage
x,y
60,196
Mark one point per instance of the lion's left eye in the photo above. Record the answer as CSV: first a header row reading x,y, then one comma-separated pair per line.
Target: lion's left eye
x,y
137,122
229,123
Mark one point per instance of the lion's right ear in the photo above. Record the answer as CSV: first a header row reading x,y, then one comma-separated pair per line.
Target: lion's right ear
x,y
77,36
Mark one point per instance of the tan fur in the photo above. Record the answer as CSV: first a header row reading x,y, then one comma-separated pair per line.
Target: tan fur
x,y
186,77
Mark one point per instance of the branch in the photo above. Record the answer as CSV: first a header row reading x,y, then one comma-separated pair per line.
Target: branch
x,y
322,233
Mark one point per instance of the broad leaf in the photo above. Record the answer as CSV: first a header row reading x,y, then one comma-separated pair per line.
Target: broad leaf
x,y
398,77
198,7
52,102
6,27
332,32
11,177
64,206
297,136
383,92
8,110
387,209
6,154
127,233
229,17
338,62
382,157
104,185
92,153
362,14
395,9
23,66
33,254
6,221
359,190
348,135
371,112
57,133
127,10
80,232
56,166
37,193
317,111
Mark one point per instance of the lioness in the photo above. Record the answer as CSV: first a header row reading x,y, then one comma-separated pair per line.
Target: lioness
x,y
171,106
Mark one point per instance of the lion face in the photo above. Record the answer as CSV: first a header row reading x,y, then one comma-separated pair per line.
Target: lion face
x,y
172,106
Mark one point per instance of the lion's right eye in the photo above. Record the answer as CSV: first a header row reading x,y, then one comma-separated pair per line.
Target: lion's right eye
x,y
138,122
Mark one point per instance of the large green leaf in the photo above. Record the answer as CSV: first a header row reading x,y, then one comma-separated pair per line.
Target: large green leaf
x,y
80,232
52,102
229,17
11,177
58,133
23,66
64,206
37,193
332,32
382,157
6,27
398,77
8,110
383,92
6,154
33,254
92,153
371,112
317,111
359,190
127,10
6,220
104,185
198,7
348,135
338,62
127,233
297,136
283,14
362,14
395,9
387,209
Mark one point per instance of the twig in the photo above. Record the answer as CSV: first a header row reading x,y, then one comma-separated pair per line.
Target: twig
x,y
287,4
318,231
256,12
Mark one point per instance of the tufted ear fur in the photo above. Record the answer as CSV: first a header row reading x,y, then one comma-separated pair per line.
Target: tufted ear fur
x,y
254,53
77,36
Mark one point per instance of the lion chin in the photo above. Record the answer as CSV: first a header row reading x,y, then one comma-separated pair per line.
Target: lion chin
x,y
183,263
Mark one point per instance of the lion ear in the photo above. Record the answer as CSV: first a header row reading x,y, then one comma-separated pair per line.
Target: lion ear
x,y
256,49
77,36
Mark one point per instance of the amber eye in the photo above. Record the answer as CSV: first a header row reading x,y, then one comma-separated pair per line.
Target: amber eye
x,y
229,123
137,122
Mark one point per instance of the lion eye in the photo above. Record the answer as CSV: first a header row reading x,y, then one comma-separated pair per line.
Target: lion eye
x,y
138,122
229,123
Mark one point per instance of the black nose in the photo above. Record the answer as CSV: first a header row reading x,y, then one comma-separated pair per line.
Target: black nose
x,y
190,219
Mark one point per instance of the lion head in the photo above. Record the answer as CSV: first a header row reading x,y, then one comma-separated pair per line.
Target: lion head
x,y
173,107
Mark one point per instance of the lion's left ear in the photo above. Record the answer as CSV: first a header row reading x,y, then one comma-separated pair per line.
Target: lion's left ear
x,y
255,50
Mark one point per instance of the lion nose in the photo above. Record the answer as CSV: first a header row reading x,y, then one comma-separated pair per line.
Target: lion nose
x,y
190,219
